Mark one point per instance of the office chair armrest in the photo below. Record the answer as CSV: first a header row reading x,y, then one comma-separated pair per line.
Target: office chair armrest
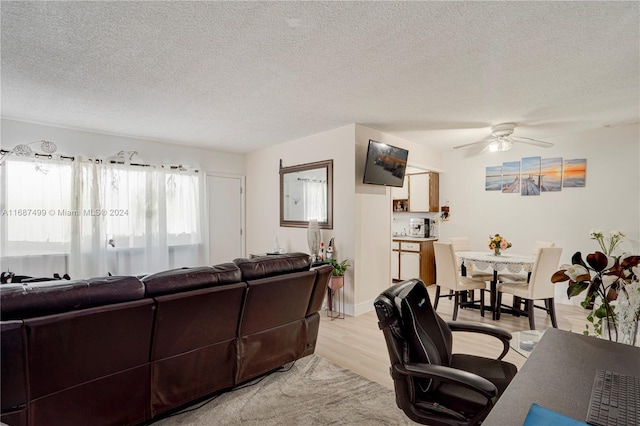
x,y
491,330
450,375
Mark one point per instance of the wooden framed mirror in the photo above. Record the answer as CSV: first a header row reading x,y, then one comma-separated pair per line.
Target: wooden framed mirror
x,y
306,193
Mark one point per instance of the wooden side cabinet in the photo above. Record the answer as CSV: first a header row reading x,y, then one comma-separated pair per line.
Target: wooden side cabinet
x,y
413,259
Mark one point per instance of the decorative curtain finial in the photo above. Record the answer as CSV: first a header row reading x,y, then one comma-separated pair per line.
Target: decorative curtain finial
x,y
23,150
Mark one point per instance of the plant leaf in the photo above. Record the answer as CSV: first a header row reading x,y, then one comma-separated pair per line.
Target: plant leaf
x,y
601,312
630,262
559,276
575,289
598,261
612,294
576,259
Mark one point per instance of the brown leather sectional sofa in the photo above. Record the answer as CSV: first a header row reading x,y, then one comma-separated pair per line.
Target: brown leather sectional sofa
x,y
124,350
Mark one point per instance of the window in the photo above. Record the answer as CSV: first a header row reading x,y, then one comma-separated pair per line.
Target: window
x,y
83,209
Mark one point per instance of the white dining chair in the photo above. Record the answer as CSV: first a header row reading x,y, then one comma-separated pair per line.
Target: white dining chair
x,y
462,244
448,276
539,287
524,277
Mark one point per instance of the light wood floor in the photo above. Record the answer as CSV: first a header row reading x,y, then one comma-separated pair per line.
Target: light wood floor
x,y
356,343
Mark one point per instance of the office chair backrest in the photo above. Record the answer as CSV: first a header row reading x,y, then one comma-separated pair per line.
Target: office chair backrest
x,y
460,243
412,329
546,264
446,266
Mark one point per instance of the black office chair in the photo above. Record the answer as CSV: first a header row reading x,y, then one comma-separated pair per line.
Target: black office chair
x,y
432,385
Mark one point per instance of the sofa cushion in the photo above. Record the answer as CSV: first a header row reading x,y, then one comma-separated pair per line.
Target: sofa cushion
x,y
75,347
14,365
184,279
19,301
271,265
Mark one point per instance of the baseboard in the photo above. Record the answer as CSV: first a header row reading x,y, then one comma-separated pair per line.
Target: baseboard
x,y
362,308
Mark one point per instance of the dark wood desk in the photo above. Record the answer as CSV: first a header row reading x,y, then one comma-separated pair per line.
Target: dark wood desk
x,y
559,376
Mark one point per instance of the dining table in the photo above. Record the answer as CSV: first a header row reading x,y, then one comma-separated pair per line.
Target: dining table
x,y
488,260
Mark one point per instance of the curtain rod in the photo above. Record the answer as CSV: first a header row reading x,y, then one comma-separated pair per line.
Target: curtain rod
x,y
179,167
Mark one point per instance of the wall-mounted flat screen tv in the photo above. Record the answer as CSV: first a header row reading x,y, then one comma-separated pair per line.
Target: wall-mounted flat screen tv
x,y
385,164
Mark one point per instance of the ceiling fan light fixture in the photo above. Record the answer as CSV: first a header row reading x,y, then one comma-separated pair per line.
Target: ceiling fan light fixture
x,y
501,144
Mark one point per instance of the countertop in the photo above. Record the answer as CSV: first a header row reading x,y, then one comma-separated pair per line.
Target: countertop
x,y
409,238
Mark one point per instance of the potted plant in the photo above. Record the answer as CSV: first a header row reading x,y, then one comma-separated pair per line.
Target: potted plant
x,y
612,286
337,276
497,243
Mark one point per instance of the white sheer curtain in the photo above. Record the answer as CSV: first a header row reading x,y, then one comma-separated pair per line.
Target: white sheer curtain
x,y
100,218
315,200
35,199
87,255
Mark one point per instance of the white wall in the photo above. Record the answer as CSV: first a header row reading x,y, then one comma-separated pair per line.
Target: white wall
x,y
361,213
609,201
373,218
73,142
263,195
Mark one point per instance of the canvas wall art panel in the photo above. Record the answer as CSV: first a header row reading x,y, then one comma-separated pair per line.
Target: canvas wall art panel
x,y
530,176
574,173
551,174
511,177
493,179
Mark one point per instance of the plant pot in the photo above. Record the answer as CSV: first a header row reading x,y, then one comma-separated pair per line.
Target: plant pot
x,y
336,283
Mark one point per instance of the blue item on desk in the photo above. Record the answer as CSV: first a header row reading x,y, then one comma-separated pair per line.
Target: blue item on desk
x,y
540,416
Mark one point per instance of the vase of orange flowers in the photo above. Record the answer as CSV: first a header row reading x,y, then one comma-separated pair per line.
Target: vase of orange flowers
x,y
498,243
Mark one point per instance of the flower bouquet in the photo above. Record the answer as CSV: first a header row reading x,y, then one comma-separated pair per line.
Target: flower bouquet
x,y
497,243
613,289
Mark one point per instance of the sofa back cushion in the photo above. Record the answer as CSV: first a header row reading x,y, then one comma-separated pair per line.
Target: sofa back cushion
x,y
275,301
75,347
36,299
272,328
272,265
185,279
190,320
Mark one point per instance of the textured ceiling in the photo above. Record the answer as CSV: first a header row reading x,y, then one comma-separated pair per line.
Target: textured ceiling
x,y
240,76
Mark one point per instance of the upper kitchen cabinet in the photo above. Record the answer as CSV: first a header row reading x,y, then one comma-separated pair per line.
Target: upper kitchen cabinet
x,y
400,196
420,193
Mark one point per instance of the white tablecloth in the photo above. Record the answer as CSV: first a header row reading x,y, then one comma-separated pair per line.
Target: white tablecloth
x,y
482,260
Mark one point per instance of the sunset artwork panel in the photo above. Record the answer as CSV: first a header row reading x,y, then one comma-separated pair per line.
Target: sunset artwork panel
x,y
575,173
493,180
551,174
511,177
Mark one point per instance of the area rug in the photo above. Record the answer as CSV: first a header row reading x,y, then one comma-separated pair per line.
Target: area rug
x,y
312,392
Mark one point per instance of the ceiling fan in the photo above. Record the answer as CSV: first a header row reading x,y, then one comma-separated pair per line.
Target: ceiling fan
x,y
502,139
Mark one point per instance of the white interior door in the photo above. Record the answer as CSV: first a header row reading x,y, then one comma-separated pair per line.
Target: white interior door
x,y
226,218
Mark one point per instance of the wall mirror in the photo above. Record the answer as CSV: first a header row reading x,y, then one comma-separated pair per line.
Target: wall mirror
x,y
306,193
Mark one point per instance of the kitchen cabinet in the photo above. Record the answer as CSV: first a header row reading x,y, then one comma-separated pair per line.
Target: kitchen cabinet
x,y
419,194
412,258
395,260
424,192
410,262
401,193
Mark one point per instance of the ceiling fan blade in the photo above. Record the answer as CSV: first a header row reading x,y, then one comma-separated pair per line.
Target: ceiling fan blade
x,y
532,142
467,145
